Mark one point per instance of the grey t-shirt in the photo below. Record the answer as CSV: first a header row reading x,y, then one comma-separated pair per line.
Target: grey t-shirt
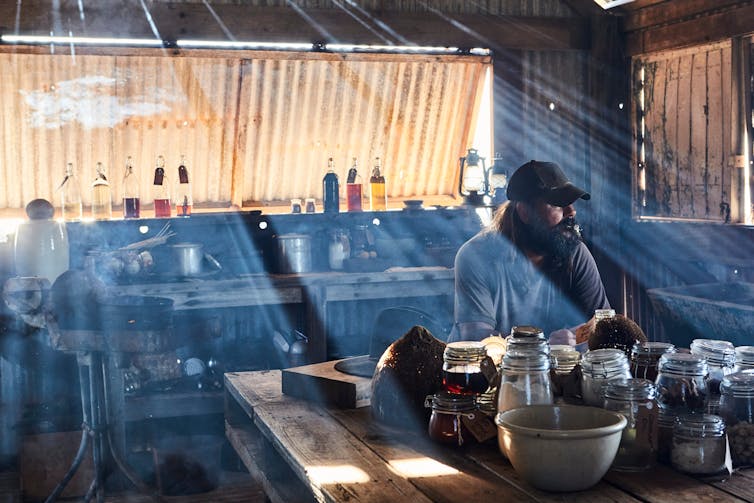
x,y
496,284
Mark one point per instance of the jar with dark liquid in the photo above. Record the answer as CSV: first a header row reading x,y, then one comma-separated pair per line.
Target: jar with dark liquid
x,y
461,369
645,358
331,189
131,200
353,188
446,422
160,191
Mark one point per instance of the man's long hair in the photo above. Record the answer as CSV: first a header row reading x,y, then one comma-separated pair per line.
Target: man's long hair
x,y
507,223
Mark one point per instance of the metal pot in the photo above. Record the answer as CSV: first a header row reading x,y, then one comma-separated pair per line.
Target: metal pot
x,y
294,253
188,258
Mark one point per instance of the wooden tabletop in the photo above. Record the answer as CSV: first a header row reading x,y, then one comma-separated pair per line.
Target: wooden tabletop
x,y
341,455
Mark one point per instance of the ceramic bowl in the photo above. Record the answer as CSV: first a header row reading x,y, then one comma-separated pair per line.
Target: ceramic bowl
x,y
560,447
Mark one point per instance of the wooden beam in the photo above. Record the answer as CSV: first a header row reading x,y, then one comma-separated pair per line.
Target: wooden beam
x,y
700,30
667,12
281,24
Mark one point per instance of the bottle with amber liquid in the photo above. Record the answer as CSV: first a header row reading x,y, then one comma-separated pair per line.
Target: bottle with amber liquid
x,y
377,193
183,200
70,195
102,202
131,200
353,188
330,189
160,193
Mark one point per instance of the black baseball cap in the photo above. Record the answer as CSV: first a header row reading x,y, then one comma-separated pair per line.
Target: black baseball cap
x,y
537,179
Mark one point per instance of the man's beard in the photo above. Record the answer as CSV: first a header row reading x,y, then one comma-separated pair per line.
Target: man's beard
x,y
557,243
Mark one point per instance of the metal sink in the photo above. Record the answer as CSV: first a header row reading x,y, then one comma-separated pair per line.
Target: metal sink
x,y
722,311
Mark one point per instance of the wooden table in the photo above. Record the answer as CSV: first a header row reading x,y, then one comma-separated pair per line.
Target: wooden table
x,y
301,451
313,290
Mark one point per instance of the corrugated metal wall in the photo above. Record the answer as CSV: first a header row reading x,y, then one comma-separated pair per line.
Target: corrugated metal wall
x,y
257,129
686,140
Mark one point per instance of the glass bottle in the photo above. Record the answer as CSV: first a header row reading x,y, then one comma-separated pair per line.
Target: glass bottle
x,y
102,202
737,408
744,358
353,188
160,192
699,445
645,358
311,205
682,383
377,192
525,380
445,422
70,196
461,368
635,399
295,205
598,367
131,200
330,189
183,199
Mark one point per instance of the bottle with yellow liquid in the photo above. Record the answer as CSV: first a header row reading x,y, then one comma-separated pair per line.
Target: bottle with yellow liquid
x,y
377,193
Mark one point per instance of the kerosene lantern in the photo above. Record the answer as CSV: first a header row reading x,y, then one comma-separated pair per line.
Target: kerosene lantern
x,y
472,183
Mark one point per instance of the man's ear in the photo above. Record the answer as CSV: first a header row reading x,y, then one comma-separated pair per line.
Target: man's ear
x,y
524,211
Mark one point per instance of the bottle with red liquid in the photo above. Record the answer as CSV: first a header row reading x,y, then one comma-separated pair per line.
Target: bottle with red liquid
x,y
353,188
160,193
183,200
462,368
131,204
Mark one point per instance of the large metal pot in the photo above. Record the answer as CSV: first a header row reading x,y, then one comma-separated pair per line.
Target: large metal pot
x,y
294,253
188,258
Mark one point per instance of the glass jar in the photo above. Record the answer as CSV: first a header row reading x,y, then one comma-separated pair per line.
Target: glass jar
x,y
527,344
311,205
665,424
737,408
485,402
445,422
744,358
598,367
721,360
295,205
525,380
682,383
699,445
645,358
635,399
563,358
461,368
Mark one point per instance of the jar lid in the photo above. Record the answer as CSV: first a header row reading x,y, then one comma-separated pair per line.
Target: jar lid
x,y
630,389
739,384
715,351
450,402
527,331
745,355
603,362
650,349
684,364
700,425
602,314
517,359
564,357
464,352
527,344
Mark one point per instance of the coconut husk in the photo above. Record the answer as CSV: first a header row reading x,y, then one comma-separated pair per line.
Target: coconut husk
x,y
409,370
617,332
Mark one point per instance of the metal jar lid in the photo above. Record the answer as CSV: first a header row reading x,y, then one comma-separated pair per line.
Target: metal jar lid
x,y
527,331
462,352
450,402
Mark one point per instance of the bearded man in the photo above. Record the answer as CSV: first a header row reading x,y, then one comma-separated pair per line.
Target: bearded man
x,y
529,266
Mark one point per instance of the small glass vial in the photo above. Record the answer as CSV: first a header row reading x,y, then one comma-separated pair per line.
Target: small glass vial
x,y
70,195
645,358
525,380
597,368
461,368
737,408
699,445
635,399
682,383
102,202
311,205
131,200
744,358
295,205
445,423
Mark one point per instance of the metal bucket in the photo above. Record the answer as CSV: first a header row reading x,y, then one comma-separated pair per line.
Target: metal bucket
x,y
294,253
188,258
